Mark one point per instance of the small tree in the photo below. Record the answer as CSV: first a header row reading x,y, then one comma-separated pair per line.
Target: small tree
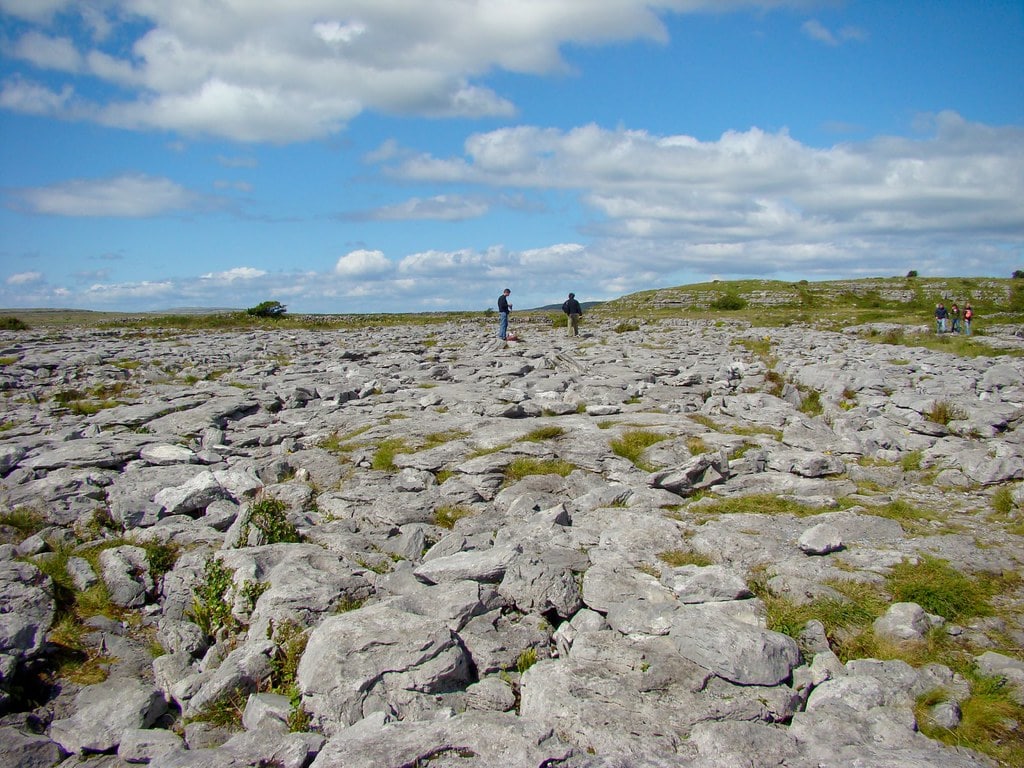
x,y
271,309
912,273
1018,274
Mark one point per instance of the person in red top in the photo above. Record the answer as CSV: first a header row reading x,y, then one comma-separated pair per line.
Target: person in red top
x,y
968,316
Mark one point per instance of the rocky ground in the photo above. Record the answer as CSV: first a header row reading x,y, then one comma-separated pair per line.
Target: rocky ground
x,y
417,545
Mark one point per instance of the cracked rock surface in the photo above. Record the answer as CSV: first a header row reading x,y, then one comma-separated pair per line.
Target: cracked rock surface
x,y
432,547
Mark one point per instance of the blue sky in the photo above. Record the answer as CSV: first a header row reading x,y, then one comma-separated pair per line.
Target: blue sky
x,y
410,155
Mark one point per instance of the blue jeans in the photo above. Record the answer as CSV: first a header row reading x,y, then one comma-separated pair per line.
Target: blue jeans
x,y
503,327
967,327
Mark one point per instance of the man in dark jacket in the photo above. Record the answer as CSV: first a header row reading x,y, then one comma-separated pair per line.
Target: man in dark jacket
x,y
503,309
572,308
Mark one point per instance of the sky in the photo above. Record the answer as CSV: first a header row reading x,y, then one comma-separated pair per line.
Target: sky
x,y
354,156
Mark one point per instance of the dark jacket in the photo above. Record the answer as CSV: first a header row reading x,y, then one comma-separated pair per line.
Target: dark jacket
x,y
503,303
572,307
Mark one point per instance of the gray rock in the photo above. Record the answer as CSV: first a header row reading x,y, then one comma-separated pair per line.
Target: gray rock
x,y
22,749
905,621
144,745
377,658
125,571
820,539
105,712
734,650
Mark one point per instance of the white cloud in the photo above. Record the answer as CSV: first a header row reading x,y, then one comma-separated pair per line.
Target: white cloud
x,y
20,95
293,70
815,30
363,263
131,196
753,185
231,275
47,52
24,278
437,208
120,292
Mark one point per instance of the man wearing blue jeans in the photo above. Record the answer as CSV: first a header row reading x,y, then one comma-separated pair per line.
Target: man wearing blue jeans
x,y
503,309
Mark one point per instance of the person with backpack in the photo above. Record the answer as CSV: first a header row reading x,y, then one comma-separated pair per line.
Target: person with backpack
x,y
572,308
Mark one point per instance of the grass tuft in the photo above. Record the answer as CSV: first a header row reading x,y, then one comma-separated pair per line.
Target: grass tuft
x,y
633,443
525,466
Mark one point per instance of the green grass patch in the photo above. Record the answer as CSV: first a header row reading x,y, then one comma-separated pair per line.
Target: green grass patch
x,y
990,721
525,466
943,590
911,461
679,557
696,446
633,443
20,523
811,403
447,516
384,457
541,434
757,503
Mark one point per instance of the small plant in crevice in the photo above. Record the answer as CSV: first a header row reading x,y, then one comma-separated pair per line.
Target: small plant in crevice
x,y
210,610
290,640
943,412
526,660
269,516
448,515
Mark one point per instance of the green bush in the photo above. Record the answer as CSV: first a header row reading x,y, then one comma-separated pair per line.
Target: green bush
x,y
270,309
8,323
729,302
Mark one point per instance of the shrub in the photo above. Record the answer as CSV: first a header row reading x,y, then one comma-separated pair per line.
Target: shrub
x,y
729,302
912,273
8,323
269,309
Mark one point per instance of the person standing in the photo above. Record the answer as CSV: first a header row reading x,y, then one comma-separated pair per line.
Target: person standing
x,y
572,308
940,318
968,316
503,309
954,314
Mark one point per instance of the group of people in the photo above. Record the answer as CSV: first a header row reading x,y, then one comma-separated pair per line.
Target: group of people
x,y
570,307
952,320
